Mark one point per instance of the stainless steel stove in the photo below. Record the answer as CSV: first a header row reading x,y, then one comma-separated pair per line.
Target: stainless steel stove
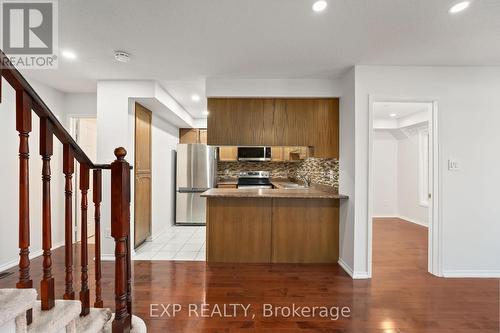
x,y
254,179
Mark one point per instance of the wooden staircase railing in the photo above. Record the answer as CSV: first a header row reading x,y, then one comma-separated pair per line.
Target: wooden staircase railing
x,y
27,100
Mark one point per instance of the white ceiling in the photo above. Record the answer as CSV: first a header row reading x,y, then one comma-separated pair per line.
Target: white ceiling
x,y
191,40
383,110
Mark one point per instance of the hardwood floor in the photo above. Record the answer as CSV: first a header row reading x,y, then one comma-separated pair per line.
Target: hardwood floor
x,y
401,297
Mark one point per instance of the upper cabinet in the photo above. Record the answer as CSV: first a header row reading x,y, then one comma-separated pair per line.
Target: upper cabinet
x,y
192,135
312,122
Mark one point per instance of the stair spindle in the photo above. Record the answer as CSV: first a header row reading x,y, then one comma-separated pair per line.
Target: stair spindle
x,y
23,126
84,293
120,230
68,170
129,280
97,187
46,151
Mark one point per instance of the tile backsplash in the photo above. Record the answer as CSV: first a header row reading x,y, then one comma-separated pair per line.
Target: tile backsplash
x,y
324,171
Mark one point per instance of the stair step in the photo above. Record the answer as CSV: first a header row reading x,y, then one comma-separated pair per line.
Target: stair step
x,y
94,322
138,325
14,302
56,319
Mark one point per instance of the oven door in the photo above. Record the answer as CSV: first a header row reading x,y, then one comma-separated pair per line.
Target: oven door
x,y
254,153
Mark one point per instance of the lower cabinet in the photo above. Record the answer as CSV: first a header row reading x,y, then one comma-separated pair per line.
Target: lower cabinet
x,y
238,230
265,230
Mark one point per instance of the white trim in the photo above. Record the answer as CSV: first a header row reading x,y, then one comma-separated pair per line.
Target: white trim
x,y
435,242
471,274
33,255
107,257
345,267
352,274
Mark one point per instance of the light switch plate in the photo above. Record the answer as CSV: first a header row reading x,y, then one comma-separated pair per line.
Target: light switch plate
x,y
453,165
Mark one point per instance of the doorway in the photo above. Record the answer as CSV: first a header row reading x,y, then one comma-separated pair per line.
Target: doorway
x,y
142,175
84,131
402,177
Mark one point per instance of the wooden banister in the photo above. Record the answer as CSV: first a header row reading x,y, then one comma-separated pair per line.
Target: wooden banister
x,y
27,100
120,230
19,83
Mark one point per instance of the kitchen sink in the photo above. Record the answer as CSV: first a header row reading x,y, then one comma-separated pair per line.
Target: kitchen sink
x,y
289,186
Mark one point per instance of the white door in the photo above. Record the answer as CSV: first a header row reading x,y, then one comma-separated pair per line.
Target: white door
x,y
86,136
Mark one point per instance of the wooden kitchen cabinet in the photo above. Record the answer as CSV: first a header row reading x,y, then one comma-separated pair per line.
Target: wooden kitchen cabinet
x,y
295,153
276,154
192,135
203,136
240,121
312,122
228,154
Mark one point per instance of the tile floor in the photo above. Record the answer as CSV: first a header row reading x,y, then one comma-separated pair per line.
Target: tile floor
x,y
176,243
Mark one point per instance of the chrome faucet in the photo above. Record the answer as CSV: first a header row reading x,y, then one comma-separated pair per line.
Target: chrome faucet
x,y
306,178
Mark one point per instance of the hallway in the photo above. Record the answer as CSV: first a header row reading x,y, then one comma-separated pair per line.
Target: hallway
x,y
401,298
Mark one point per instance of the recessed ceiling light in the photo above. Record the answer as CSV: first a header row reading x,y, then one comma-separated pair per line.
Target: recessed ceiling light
x,y
195,98
459,7
122,56
69,54
320,6
206,113
392,115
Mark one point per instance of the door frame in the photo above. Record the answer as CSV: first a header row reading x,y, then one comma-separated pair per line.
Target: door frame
x,y
435,234
73,131
135,245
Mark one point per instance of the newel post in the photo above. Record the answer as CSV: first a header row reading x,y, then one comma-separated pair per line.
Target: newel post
x,y
120,230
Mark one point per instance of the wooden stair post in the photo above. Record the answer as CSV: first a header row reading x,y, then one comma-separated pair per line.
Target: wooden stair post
x,y
23,126
68,170
84,292
97,187
120,230
46,150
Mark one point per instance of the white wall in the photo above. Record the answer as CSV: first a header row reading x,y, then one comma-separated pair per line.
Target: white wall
x,y
469,113
409,207
273,88
84,105
116,128
385,174
9,169
347,171
165,138
396,177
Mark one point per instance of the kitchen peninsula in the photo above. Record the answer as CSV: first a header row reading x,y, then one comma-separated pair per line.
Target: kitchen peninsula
x,y
259,219
272,225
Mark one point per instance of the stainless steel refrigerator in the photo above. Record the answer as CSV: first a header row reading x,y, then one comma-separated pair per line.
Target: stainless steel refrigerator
x,y
196,172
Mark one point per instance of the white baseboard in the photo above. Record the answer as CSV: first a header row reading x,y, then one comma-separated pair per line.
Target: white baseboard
x,y
352,274
33,255
345,267
107,257
407,219
472,274
413,221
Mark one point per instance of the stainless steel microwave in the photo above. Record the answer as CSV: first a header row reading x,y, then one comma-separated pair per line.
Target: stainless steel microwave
x,y
257,154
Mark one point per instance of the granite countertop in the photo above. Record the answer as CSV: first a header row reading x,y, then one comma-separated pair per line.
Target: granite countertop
x,y
314,192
